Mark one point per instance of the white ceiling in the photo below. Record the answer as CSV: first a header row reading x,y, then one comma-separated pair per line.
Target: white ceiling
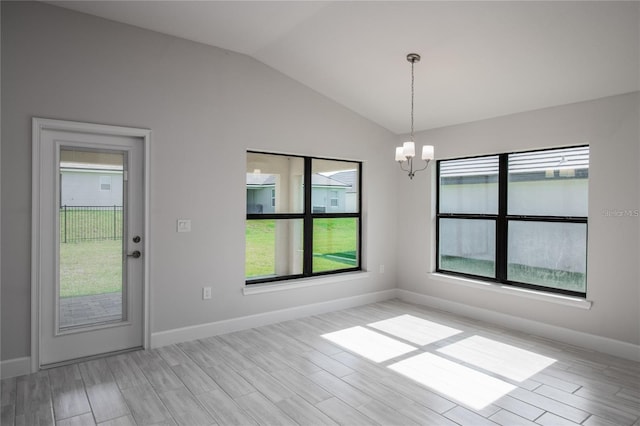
x,y
479,59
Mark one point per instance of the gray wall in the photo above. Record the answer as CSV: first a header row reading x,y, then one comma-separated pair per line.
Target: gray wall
x,y
610,127
205,107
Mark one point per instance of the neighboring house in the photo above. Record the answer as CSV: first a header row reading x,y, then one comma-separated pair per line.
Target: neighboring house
x,y
328,194
349,177
90,185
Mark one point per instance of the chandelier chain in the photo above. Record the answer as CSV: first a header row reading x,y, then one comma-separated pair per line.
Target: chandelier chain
x,y
412,91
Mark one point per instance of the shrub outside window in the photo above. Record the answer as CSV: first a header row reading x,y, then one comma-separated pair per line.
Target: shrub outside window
x,y
518,219
303,217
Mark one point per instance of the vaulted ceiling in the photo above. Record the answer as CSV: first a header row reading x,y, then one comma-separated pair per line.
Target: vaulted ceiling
x,y
479,59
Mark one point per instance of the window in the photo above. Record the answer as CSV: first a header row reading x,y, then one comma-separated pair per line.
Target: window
x,y
293,227
518,219
334,199
105,183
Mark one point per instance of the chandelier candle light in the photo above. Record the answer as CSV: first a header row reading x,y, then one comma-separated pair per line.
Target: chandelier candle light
x,y
407,151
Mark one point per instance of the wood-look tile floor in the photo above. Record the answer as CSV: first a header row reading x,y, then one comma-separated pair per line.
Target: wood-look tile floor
x,y
388,363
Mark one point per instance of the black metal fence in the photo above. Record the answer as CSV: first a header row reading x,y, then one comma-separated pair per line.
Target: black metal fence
x,y
86,223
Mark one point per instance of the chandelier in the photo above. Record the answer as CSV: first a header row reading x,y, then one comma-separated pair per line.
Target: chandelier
x,y
406,152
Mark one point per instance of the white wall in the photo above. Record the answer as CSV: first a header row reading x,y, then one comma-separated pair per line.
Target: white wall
x,y
610,127
205,107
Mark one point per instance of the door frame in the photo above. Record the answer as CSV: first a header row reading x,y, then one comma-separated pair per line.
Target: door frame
x,y
38,126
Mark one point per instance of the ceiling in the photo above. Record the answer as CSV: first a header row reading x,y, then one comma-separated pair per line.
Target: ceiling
x,y
479,59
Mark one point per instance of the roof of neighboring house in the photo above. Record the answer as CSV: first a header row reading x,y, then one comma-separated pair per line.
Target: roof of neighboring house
x,y
526,162
260,179
348,177
263,179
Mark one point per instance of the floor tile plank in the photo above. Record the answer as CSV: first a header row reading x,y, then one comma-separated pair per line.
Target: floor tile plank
x,y
340,389
69,396
194,378
263,411
126,372
301,386
303,412
507,418
120,421
550,419
81,420
224,409
185,409
464,416
344,414
266,384
103,392
229,380
145,405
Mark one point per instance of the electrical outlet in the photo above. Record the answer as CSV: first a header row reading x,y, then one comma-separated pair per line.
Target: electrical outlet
x,y
184,225
206,293
382,269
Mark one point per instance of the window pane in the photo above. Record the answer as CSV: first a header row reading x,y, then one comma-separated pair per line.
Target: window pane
x,y
549,183
274,183
273,248
468,246
335,244
334,186
549,254
469,185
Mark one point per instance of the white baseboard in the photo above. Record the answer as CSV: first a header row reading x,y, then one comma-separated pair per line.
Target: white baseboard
x,y
201,331
15,367
585,340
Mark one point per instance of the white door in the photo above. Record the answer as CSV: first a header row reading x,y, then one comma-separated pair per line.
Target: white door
x,y
90,240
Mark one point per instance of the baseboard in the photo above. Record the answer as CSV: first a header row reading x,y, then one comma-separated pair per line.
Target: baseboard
x,y
200,331
15,367
585,340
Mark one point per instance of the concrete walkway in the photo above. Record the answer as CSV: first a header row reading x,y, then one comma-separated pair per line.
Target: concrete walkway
x,y
87,310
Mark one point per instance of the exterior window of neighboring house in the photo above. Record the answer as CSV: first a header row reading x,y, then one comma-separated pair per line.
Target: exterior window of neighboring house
x,y
519,219
334,199
293,227
105,183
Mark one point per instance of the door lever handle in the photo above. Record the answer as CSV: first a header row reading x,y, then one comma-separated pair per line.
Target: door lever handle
x,y
135,254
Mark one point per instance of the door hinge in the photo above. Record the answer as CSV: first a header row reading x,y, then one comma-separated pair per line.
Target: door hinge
x,y
125,175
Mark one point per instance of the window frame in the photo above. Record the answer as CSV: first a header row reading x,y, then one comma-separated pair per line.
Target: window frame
x,y
308,217
502,220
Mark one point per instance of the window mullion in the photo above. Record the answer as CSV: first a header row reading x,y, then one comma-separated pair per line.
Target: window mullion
x,y
502,225
308,220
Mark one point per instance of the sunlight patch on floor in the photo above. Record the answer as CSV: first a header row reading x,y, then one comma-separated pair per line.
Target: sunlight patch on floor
x,y
369,344
468,386
506,360
415,330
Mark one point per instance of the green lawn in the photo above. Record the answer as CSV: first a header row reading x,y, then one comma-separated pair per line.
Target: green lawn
x,y
334,245
260,241
90,267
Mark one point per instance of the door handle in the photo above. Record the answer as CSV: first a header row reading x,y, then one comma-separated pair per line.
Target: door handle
x,y
135,254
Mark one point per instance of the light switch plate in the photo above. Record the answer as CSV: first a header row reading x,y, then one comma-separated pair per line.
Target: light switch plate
x,y
184,225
